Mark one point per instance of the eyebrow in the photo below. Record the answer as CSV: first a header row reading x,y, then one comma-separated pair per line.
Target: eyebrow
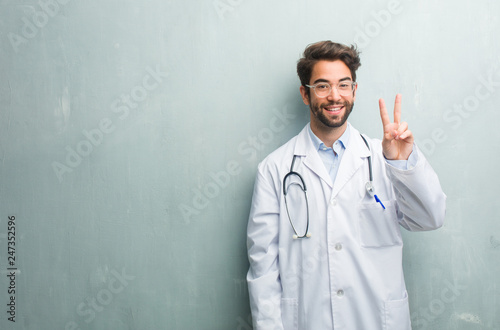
x,y
324,80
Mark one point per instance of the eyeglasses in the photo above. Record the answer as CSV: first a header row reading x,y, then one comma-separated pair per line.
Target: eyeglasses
x,y
323,89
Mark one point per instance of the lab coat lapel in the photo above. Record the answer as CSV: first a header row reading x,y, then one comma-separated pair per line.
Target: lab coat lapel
x,y
354,156
305,147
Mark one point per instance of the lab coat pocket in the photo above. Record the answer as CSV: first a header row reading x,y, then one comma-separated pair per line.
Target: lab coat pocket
x,y
290,313
379,227
397,314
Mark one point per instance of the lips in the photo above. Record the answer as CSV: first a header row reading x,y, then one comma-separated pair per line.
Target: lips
x,y
334,109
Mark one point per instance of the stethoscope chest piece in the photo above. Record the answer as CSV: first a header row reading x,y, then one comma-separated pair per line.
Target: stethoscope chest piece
x,y
370,189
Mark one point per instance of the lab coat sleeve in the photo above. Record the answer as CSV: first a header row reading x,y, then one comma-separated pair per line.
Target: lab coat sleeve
x,y
421,201
263,277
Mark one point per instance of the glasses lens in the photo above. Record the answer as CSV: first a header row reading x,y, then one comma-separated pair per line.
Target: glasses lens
x,y
323,89
345,88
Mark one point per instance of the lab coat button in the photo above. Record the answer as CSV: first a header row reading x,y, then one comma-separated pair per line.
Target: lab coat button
x,y
338,246
340,293
333,202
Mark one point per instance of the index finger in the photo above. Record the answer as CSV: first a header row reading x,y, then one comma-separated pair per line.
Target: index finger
x,y
397,109
383,113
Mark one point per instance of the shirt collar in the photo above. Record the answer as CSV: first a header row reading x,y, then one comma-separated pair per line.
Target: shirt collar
x,y
318,144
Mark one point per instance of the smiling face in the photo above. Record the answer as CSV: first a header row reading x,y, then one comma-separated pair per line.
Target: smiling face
x,y
330,112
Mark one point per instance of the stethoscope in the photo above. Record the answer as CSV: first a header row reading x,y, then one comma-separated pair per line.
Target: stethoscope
x,y
370,189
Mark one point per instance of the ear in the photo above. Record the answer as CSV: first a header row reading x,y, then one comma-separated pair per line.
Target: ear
x,y
354,92
305,97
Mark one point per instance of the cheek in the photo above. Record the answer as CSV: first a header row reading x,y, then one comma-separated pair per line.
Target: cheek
x,y
318,101
349,100
315,104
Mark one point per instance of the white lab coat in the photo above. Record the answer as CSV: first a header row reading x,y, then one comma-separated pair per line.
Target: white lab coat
x,y
349,274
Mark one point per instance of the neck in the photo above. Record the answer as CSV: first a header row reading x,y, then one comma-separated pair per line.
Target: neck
x,y
328,135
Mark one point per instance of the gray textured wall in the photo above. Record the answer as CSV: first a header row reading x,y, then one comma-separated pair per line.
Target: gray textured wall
x,y
130,133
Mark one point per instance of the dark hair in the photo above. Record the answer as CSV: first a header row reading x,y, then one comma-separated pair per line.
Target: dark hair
x,y
329,51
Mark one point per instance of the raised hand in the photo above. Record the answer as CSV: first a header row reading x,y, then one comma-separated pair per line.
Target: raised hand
x,y
397,143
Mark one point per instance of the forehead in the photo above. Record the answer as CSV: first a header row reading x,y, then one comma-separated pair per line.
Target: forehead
x,y
332,71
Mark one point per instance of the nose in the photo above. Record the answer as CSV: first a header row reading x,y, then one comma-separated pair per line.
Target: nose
x,y
334,94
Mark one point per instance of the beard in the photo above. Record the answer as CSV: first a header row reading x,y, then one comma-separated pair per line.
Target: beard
x,y
329,121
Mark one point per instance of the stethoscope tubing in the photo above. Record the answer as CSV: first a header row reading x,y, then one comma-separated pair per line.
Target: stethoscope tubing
x,y
304,189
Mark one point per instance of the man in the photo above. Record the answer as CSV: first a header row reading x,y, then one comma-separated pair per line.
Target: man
x,y
324,242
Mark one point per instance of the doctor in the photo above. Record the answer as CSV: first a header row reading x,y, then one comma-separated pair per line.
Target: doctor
x,y
324,242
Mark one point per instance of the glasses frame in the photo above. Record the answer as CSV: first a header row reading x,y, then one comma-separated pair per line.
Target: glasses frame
x,y
342,93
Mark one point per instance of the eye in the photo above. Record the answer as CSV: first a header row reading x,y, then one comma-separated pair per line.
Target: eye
x,y
322,87
344,85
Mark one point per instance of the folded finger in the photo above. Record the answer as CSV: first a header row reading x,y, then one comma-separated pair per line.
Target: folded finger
x,y
402,127
406,134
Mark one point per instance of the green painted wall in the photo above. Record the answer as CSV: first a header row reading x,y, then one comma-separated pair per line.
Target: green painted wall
x,y
130,133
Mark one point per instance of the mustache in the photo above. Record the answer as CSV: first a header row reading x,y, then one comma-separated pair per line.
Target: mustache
x,y
345,103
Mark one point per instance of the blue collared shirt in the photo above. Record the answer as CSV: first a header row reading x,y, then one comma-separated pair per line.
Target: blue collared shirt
x,y
331,157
